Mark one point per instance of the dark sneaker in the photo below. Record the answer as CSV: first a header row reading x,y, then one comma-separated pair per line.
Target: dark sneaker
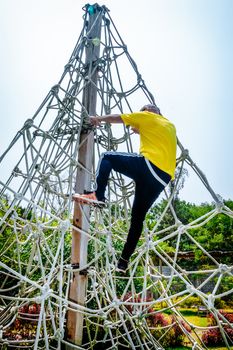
x,y
122,265
89,198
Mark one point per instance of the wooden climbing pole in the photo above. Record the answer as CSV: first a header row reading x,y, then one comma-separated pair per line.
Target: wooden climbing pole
x,y
78,285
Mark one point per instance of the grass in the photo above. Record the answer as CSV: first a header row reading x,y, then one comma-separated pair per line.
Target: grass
x,y
197,321
191,316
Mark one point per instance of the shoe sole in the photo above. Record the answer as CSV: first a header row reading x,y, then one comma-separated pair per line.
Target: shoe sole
x,y
79,199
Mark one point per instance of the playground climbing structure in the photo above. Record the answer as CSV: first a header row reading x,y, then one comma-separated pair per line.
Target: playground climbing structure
x,y
59,286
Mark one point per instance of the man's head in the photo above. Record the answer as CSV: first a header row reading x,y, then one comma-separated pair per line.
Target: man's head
x,y
151,108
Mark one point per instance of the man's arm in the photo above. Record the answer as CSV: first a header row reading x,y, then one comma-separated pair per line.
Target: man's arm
x,y
108,118
135,130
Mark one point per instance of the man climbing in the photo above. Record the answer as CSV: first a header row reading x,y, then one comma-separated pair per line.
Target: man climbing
x,y
151,170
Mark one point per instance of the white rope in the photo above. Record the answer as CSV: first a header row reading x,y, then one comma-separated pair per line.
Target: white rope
x,y
36,208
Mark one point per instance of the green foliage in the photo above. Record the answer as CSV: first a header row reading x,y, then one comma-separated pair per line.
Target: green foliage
x,y
172,334
22,241
190,302
215,234
225,286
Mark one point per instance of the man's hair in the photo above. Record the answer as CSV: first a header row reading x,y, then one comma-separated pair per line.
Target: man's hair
x,y
151,108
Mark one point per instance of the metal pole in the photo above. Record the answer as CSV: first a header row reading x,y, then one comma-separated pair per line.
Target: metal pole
x,y
83,178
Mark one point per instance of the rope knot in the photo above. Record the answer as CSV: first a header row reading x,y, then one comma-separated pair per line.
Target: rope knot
x,y
190,289
116,302
223,268
219,203
46,291
16,171
185,153
64,225
210,301
28,124
18,196
55,89
59,334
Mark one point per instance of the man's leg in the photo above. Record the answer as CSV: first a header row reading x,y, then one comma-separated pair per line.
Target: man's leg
x,y
124,163
128,164
144,198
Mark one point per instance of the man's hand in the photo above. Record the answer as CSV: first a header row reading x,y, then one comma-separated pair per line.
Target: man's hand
x,y
94,120
108,118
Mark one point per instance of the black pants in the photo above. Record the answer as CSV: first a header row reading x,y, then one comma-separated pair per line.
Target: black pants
x,y
147,189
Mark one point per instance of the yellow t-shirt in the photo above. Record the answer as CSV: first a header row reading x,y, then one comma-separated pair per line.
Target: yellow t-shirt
x,y
157,139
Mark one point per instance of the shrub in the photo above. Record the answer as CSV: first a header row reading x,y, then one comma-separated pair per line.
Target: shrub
x,y
191,302
165,328
173,334
213,337
220,304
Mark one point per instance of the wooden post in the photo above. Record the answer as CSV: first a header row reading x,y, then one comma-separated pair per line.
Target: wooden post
x,y
78,285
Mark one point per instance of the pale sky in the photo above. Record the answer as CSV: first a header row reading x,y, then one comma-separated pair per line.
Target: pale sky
x,y
183,49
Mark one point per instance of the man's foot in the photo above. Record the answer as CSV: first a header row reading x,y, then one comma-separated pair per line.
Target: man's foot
x,y
89,198
122,265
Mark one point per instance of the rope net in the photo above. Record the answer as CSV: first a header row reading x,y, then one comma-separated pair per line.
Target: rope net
x,y
114,311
